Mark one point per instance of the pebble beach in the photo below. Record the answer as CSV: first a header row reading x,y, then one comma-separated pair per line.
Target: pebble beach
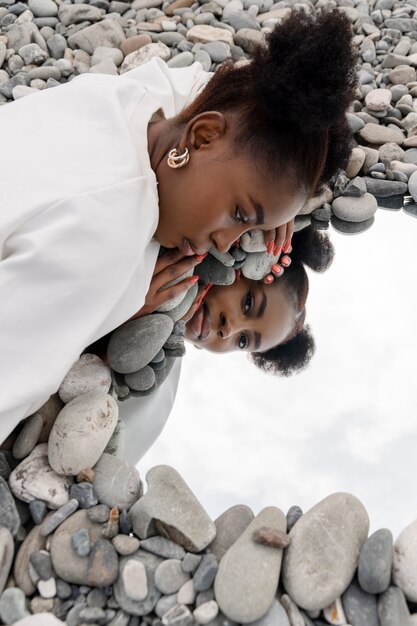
x,y
84,537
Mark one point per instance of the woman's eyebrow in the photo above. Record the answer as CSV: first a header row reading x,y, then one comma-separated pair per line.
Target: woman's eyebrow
x,y
257,340
260,218
259,314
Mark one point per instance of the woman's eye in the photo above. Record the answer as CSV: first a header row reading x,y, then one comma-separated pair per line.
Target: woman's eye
x,y
239,218
243,342
248,303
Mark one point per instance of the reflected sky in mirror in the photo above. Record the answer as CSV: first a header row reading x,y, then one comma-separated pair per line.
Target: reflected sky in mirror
x,y
348,423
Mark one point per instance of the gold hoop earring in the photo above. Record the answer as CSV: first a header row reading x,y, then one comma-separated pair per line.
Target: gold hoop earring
x,y
176,160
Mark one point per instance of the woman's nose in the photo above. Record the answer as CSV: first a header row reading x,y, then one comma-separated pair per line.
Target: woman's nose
x,y
225,327
224,239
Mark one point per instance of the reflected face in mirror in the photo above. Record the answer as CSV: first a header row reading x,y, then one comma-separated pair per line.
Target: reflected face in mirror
x,y
247,315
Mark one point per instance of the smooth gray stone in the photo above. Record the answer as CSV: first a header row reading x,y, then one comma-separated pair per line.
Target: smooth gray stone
x,y
32,542
43,8
204,58
204,596
293,515
165,603
404,561
63,589
212,271
355,209
32,53
12,605
375,562
410,156
116,482
76,13
142,380
169,576
392,608
250,566
99,514
205,573
81,432
134,345
126,545
105,33
89,373
80,541
44,72
190,562
103,564
163,547
28,436
384,188
360,608
6,556
9,516
84,494
6,463
56,519
179,514
219,51
41,561
356,188
276,616
355,122
324,551
116,444
183,59
56,45
97,598
136,607
241,19
179,615
6,87
229,526
351,228
224,257
179,311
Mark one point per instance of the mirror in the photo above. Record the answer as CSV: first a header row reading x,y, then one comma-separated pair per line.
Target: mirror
x,y
347,423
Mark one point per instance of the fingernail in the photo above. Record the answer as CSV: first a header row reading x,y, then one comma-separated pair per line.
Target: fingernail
x,y
237,243
277,250
193,279
286,246
276,269
285,261
200,257
237,272
270,247
268,279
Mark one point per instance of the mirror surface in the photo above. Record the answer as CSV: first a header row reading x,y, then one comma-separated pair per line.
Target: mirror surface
x,y
347,423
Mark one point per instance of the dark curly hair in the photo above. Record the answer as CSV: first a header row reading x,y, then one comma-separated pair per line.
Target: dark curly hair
x,y
314,249
290,100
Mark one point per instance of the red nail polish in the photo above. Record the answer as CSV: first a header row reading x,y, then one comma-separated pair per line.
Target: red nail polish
x,y
193,279
286,246
237,272
286,261
276,268
270,247
277,250
200,257
268,279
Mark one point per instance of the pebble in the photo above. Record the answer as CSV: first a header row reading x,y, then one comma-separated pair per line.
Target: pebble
x,y
84,494
81,432
213,271
101,54
9,516
137,607
402,74
204,34
324,551
183,59
99,513
161,546
169,576
179,513
33,542
126,545
134,580
205,573
116,482
107,33
384,188
258,265
80,542
34,479
50,524
376,134
6,555
248,565
28,436
31,53
275,616
43,8
229,527
42,563
165,603
375,562
186,593
40,619
144,337
206,613
412,185
392,608
103,565
404,570
378,99
141,56
191,561
142,380
12,605
135,43
89,373
355,209
47,588
272,537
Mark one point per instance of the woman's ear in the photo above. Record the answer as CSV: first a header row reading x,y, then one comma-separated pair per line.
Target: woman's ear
x,y
205,129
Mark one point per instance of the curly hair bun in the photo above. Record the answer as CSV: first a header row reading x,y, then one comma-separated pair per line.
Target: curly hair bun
x,y
306,73
313,248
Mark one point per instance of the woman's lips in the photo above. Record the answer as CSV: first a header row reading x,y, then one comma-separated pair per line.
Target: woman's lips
x,y
201,323
189,249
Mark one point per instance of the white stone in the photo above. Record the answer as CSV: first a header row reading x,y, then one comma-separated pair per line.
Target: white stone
x,y
89,373
144,54
204,33
412,184
47,588
106,66
206,612
335,614
34,479
253,241
186,594
258,265
404,561
40,619
378,99
353,209
81,432
135,580
104,52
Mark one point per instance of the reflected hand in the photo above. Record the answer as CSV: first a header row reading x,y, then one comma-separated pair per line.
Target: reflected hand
x,y
278,240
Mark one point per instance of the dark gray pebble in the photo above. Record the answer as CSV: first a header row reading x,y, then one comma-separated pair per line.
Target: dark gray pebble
x,y
293,515
9,515
99,513
360,607
375,562
205,572
84,493
80,541
41,561
38,510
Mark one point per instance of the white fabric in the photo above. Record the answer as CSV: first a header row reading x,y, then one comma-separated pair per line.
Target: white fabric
x,y
78,210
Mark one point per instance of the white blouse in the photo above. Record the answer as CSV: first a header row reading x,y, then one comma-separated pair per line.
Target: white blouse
x,y
78,210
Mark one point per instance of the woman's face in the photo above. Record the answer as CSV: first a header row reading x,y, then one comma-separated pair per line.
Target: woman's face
x,y
217,196
247,315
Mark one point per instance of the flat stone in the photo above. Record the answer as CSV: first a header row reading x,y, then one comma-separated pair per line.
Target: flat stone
x,y
351,228
12,605
169,576
89,373
204,33
84,494
43,8
354,209
402,74
6,556
80,542
143,55
33,542
134,580
404,559
247,578
41,561
142,380
211,270
161,546
137,607
81,432
206,613
103,564
324,551
253,241
205,573
384,188
179,311
378,99
40,619
218,51
76,13
356,160
183,59
258,265
47,588
56,46
28,436
99,513
275,616
170,505
34,479
377,134
190,563
126,545
31,53
67,509
229,526
165,603
249,39
9,516
392,608
67,564
375,562
186,593
116,482
410,156
135,344
106,33
179,615
103,52
135,43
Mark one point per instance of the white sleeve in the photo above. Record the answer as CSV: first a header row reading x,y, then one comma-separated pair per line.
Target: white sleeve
x,y
68,276
145,417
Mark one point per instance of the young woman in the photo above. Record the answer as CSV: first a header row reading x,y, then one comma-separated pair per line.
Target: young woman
x,y
92,181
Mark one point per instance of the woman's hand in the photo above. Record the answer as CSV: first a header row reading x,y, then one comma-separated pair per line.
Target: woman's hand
x,y
278,240
169,266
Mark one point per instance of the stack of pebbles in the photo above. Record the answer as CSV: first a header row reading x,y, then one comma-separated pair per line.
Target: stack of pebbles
x,y
47,42
80,543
